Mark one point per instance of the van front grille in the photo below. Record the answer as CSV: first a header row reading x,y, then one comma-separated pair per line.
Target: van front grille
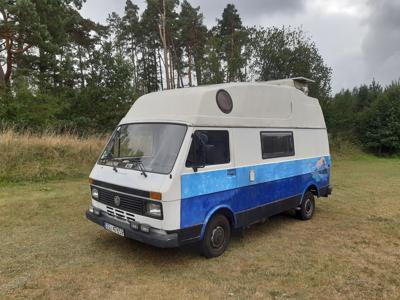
x,y
122,189
126,202
120,214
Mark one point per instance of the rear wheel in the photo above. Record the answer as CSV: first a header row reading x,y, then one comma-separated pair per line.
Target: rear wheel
x,y
307,207
216,237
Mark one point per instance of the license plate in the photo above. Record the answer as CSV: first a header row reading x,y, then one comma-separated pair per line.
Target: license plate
x,y
114,229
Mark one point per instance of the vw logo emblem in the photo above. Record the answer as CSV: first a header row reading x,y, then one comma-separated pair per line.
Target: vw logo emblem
x,y
117,200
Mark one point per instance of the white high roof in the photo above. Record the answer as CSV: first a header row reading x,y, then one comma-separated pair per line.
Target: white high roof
x,y
263,104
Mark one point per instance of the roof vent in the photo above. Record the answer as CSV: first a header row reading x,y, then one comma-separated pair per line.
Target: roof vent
x,y
300,83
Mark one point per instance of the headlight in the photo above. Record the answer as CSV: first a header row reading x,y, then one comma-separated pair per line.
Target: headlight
x,y
95,194
153,209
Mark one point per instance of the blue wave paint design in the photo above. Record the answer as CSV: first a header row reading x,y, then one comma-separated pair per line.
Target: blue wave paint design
x,y
204,191
202,183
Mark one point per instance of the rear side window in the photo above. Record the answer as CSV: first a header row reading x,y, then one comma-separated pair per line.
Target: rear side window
x,y
277,144
216,146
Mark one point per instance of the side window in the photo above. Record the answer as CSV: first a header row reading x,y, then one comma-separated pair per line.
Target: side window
x,y
215,144
277,144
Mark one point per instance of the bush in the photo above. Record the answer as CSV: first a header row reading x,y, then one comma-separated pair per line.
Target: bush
x,y
342,147
379,125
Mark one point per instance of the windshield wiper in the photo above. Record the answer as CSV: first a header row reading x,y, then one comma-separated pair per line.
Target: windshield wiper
x,y
139,163
141,167
112,160
136,160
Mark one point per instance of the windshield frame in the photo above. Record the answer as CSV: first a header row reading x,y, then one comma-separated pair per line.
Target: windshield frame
x,y
137,169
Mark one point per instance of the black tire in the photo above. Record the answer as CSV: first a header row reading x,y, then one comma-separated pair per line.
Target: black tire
x,y
307,207
216,237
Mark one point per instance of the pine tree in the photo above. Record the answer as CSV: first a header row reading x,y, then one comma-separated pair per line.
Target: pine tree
x,y
233,37
29,24
193,36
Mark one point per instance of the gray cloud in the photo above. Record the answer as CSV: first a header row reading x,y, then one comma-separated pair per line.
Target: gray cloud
x,y
98,10
381,45
249,10
357,51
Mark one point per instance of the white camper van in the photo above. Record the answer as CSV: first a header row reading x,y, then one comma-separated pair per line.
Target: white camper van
x,y
191,165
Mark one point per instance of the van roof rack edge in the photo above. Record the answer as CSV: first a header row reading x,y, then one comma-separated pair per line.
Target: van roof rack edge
x,y
300,83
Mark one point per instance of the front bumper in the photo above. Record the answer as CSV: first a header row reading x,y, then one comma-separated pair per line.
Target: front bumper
x,y
169,240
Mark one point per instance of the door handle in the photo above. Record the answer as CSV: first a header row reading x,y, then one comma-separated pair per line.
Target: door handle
x,y
252,176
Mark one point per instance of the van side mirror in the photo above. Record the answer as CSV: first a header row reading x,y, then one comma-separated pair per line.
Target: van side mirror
x,y
200,146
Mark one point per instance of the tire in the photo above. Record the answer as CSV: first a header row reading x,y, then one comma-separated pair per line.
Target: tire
x,y
216,237
307,207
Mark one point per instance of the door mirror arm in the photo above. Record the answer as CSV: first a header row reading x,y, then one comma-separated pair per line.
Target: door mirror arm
x,y
200,151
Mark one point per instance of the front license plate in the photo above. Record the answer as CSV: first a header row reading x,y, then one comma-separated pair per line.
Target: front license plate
x,y
114,229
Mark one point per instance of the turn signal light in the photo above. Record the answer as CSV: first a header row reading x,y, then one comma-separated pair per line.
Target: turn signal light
x,y
155,196
90,180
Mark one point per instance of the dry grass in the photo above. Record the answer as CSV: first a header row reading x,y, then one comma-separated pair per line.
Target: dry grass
x,y
349,250
33,157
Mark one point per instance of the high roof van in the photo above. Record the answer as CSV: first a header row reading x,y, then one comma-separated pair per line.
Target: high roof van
x,y
192,165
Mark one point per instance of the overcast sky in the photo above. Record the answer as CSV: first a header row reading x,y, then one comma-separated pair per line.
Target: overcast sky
x,y
358,39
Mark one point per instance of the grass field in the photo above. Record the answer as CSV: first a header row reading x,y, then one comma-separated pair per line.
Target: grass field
x,y
349,250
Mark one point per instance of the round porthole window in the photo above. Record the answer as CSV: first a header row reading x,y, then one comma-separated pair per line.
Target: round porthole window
x,y
224,101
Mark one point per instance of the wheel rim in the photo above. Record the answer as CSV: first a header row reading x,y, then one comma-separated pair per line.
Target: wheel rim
x,y
308,207
217,237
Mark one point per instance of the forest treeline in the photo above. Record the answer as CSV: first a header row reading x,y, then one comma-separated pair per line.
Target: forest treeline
x,y
62,71
368,115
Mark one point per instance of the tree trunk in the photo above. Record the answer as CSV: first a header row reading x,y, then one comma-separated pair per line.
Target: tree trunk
x,y
81,67
42,70
133,56
230,68
182,85
163,37
159,63
190,62
145,71
156,88
136,67
7,75
198,70
172,71
1,76
167,67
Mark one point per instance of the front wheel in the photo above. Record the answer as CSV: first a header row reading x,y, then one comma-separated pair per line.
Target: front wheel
x,y
216,237
306,209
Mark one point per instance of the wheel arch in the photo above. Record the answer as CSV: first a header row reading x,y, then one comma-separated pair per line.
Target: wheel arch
x,y
310,187
224,210
313,188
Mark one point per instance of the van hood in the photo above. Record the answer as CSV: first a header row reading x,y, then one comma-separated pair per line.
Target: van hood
x,y
131,178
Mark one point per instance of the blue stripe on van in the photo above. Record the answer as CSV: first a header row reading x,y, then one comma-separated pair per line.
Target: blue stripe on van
x,y
202,192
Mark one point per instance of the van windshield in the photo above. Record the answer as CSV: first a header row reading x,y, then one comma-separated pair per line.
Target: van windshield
x,y
149,147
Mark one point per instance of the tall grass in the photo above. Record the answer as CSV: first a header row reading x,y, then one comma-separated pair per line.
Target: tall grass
x,y
37,157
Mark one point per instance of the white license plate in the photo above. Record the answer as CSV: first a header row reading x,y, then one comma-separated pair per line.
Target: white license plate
x,y
114,229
